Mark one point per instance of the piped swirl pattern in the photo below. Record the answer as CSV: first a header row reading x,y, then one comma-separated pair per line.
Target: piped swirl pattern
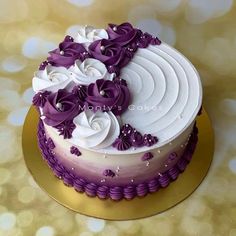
x,y
166,92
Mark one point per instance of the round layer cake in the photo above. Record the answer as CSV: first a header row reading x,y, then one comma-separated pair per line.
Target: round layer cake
x,y
118,110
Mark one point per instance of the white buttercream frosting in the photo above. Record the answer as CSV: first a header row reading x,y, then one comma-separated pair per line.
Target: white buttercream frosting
x,y
51,79
88,71
166,92
88,34
95,129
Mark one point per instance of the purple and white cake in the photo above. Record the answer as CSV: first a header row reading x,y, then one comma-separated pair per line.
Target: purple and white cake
x,y
117,111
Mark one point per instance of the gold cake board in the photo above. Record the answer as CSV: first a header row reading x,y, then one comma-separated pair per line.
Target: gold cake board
x,y
136,208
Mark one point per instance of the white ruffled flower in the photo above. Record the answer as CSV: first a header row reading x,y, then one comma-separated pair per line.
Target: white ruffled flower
x,y
88,71
88,34
95,130
51,79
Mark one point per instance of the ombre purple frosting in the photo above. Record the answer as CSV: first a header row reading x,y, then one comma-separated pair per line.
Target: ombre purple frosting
x,y
67,52
70,106
115,192
115,96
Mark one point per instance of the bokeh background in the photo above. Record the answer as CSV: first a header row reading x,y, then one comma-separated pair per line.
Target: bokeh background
x,y
203,30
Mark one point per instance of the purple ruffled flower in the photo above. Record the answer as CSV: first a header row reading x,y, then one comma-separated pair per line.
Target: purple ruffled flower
x,y
108,173
108,96
67,53
123,34
75,151
66,128
150,140
80,91
108,52
147,156
60,107
40,98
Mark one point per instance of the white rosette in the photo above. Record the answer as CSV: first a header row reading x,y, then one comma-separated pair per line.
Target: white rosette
x,y
88,34
88,71
51,79
95,129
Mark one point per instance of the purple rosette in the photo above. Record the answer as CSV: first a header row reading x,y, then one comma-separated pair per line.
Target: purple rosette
x,y
122,143
110,53
106,95
123,34
67,52
60,107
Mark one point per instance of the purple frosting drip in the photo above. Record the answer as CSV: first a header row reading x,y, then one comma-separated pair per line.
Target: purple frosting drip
x,y
115,192
147,156
74,150
40,98
108,173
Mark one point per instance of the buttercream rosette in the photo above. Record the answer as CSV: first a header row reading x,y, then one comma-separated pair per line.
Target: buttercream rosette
x,y
79,91
95,129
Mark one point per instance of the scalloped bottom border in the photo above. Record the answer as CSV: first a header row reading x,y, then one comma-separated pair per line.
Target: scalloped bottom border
x,y
115,192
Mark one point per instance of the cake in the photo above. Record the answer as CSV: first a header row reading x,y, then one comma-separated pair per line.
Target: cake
x,y
117,112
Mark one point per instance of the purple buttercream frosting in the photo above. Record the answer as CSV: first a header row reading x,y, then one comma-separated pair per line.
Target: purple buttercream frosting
x,y
74,150
122,143
115,192
150,140
108,96
147,156
123,34
130,137
66,128
40,98
51,144
60,107
91,189
43,65
80,91
67,53
110,53
108,173
103,192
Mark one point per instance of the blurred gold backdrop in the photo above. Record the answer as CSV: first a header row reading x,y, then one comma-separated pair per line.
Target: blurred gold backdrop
x,y
204,31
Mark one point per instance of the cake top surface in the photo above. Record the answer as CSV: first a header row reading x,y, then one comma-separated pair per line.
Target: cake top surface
x,y
117,89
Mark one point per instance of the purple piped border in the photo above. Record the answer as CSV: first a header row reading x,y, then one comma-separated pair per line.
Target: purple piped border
x,y
116,192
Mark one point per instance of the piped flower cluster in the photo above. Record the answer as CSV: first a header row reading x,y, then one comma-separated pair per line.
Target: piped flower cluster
x,y
83,74
130,137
